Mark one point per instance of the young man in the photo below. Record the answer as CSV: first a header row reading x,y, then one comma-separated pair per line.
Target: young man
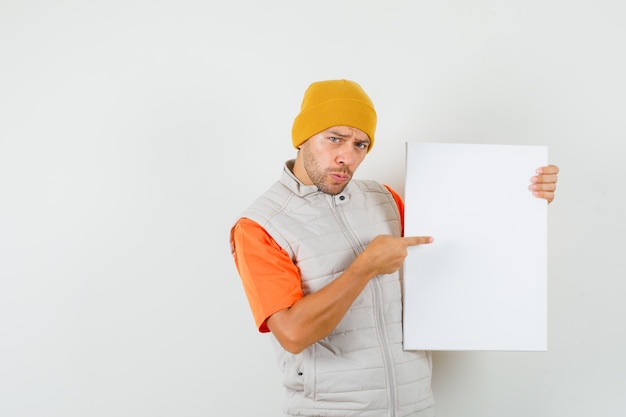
x,y
319,255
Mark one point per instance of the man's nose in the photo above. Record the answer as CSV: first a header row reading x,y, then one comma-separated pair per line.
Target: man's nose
x,y
346,154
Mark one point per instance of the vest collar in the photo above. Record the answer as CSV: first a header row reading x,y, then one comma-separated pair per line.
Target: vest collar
x,y
296,186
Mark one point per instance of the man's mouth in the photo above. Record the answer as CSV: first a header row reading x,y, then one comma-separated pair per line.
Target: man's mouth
x,y
339,177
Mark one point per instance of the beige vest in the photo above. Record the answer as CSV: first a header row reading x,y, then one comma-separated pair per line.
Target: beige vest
x,y
359,369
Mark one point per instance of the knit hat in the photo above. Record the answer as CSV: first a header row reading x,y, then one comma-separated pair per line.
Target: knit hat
x,y
333,103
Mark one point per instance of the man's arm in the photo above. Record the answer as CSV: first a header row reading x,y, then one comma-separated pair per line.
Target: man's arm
x,y
317,314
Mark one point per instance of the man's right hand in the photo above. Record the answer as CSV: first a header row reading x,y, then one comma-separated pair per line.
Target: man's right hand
x,y
385,253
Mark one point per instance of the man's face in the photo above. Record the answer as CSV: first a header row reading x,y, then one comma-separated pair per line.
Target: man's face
x,y
330,158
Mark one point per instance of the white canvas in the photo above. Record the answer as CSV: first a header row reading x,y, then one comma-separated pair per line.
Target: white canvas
x,y
482,284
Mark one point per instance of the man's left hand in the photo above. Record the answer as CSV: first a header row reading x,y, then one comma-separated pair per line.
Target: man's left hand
x,y
543,185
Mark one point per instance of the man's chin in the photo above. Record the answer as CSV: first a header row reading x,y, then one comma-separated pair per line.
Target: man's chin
x,y
333,189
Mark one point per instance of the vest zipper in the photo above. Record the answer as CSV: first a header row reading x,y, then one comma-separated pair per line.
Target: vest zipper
x,y
389,368
378,310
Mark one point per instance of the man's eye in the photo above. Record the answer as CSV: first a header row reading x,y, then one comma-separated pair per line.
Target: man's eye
x,y
334,139
362,145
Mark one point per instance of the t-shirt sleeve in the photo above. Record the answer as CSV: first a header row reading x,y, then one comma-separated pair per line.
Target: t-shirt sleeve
x,y
270,279
400,205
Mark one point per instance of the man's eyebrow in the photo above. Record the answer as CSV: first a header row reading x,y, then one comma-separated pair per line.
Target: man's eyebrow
x,y
335,133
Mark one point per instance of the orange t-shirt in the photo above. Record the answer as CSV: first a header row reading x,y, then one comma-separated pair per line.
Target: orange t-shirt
x,y
270,278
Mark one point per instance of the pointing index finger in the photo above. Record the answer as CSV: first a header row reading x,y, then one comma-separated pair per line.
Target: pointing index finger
x,y
418,240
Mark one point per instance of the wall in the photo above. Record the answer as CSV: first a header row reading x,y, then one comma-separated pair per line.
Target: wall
x,y
133,133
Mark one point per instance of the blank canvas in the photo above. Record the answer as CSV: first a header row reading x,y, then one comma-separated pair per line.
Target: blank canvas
x,y
482,284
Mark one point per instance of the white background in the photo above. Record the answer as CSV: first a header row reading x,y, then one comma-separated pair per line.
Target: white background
x,y
132,134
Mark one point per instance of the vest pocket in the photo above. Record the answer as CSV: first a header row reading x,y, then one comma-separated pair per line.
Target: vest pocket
x,y
298,373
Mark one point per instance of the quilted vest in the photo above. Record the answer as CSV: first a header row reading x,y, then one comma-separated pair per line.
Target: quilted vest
x,y
360,369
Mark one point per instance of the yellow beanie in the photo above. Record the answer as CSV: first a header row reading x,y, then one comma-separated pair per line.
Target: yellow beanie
x,y
333,103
